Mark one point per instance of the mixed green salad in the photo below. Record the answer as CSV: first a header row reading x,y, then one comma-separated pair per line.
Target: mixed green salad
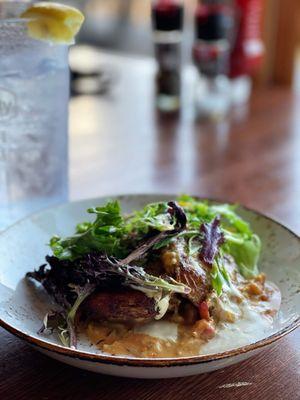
x,y
116,252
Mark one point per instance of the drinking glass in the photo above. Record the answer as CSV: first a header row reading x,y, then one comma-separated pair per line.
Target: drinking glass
x,y
34,95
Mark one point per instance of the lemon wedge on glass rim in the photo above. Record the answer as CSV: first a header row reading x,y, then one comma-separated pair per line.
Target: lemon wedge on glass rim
x,y
53,22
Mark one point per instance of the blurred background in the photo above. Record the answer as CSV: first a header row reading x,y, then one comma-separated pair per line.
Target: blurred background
x,y
125,25
225,47
183,96
186,102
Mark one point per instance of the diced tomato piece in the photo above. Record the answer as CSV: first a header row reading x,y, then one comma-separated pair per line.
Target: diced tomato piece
x,y
204,311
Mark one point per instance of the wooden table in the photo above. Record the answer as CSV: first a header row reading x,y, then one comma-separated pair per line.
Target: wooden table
x,y
119,143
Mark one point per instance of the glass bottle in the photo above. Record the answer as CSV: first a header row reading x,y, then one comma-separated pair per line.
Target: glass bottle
x,y
211,50
167,25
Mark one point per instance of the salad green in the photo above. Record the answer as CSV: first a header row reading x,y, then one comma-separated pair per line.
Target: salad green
x,y
116,234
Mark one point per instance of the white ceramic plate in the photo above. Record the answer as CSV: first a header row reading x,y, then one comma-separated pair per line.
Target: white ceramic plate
x,y
22,307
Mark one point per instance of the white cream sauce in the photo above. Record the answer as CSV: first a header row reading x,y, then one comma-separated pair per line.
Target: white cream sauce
x,y
249,328
251,325
164,330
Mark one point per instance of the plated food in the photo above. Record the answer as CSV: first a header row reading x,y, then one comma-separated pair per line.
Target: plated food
x,y
24,302
175,278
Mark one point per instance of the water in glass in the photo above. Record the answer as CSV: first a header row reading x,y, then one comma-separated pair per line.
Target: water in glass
x,y
34,93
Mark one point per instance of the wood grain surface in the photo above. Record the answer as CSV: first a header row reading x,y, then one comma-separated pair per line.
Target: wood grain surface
x,y
120,144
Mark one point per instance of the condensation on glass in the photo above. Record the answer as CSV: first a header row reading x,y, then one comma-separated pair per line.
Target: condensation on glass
x,y
34,94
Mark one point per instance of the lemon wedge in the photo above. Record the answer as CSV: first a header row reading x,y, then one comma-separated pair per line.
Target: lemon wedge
x,y
53,22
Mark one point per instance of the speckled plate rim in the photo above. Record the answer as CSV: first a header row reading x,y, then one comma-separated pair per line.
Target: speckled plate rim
x,y
151,362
